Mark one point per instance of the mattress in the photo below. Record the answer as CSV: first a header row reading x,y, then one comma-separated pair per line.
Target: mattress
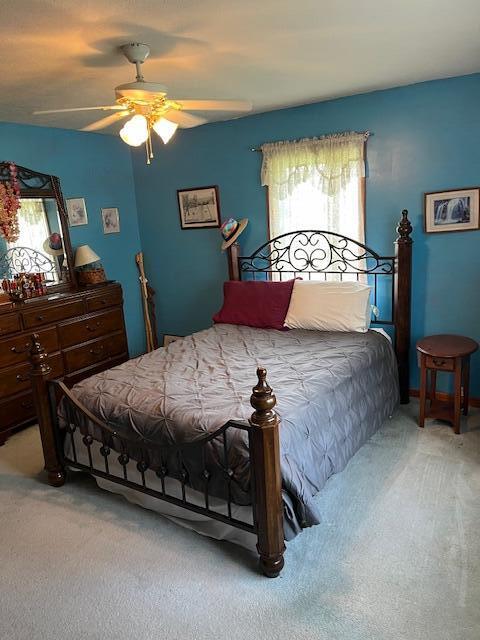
x,y
334,390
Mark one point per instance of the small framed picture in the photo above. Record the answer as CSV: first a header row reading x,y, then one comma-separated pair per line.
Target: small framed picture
x,y
452,210
77,212
199,207
111,220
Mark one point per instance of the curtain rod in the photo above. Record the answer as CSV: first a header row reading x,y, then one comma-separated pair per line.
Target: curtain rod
x,y
365,133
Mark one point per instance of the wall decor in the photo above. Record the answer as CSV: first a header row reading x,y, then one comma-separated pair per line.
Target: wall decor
x,y
111,220
452,210
199,207
77,212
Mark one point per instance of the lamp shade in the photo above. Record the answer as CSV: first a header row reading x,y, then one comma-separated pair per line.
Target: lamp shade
x,y
84,255
135,131
165,129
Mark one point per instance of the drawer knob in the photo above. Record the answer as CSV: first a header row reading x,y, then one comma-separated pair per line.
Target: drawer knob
x,y
21,378
18,351
27,404
438,362
40,318
97,352
95,327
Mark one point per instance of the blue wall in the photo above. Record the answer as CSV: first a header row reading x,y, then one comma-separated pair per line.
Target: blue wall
x,y
425,138
99,169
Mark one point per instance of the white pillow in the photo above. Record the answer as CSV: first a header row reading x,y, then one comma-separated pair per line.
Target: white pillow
x,y
329,306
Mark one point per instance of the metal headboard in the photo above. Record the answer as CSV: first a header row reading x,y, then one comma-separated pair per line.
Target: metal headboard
x,y
325,255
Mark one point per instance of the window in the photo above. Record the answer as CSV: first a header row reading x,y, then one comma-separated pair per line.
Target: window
x,y
33,225
316,183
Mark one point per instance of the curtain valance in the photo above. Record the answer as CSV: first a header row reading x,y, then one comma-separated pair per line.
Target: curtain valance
x,y
330,163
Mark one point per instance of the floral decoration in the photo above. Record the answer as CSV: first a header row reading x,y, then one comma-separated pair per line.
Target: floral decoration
x,y
9,205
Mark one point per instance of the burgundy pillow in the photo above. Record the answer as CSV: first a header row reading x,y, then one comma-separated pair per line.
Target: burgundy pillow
x,y
260,304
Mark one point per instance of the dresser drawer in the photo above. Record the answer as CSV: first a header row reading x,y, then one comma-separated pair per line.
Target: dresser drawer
x,y
16,379
441,364
16,350
95,351
15,411
52,314
9,323
92,327
107,299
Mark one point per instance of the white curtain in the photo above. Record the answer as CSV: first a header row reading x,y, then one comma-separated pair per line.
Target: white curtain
x,y
316,183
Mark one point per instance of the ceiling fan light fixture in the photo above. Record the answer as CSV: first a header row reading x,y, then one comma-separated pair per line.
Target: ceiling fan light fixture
x,y
165,129
135,131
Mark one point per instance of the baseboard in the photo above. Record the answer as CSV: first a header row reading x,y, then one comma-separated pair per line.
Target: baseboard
x,y
445,397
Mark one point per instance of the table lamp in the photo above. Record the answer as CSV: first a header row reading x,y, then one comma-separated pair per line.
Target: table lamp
x,y
88,266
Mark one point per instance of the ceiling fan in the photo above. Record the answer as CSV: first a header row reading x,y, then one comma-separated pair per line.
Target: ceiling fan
x,y
150,108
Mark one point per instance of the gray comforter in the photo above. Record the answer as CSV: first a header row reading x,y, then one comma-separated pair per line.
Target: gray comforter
x,y
334,390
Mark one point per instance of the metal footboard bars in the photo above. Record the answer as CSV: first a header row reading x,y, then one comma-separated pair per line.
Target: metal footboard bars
x,y
100,449
84,442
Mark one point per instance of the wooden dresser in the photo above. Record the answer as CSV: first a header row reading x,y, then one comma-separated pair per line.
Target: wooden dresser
x,y
83,332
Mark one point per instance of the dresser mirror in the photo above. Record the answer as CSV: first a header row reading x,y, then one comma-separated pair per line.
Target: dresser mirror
x,y
41,243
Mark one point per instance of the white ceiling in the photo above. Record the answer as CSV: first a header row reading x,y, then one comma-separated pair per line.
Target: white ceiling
x,y
275,53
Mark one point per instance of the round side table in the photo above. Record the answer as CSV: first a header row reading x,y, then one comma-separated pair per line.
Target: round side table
x,y
445,353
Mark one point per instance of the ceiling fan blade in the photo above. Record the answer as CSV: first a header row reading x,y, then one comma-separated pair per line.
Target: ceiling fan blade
x,y
112,107
105,122
216,105
183,119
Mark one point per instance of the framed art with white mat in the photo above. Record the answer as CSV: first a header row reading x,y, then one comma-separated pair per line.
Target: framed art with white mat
x,y
199,207
452,210
111,220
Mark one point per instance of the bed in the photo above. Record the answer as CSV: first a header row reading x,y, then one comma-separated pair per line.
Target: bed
x,y
174,427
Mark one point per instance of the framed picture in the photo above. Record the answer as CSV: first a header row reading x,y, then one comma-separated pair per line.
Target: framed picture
x,y
199,207
77,212
111,220
453,210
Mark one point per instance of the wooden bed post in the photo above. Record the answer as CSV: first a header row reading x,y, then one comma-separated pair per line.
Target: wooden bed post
x,y
39,376
265,448
402,303
233,253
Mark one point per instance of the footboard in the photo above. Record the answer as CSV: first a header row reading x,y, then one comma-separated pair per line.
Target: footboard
x,y
136,457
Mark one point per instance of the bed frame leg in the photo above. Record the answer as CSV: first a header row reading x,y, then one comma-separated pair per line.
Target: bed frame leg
x,y
39,376
402,303
265,449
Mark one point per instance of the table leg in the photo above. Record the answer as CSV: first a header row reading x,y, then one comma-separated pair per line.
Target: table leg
x,y
423,391
433,385
458,395
466,384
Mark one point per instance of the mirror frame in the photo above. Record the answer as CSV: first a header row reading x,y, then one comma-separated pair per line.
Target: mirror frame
x,y
34,184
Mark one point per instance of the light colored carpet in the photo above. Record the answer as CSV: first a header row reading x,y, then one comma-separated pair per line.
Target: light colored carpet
x,y
397,554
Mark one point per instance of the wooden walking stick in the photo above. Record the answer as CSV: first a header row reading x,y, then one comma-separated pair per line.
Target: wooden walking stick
x,y
147,295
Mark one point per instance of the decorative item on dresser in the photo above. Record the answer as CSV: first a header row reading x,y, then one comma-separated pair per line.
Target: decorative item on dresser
x,y
448,353
88,266
84,331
